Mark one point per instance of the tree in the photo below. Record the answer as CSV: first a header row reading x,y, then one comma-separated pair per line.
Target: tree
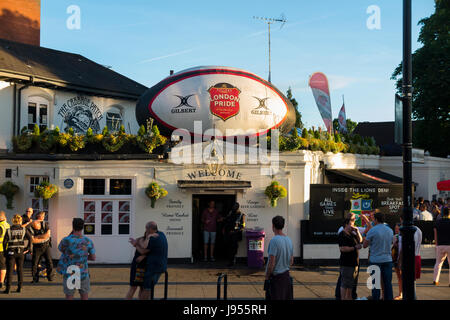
x,y
298,116
351,125
431,79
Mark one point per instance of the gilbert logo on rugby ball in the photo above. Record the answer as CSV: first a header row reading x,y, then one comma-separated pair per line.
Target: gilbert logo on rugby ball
x,y
224,100
231,100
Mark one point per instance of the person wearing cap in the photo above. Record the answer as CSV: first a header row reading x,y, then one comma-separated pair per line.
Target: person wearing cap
x,y
76,249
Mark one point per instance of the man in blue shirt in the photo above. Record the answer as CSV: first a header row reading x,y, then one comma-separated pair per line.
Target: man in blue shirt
x,y
380,238
157,254
281,257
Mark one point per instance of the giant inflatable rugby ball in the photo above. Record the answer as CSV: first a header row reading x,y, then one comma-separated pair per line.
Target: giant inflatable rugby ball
x,y
232,101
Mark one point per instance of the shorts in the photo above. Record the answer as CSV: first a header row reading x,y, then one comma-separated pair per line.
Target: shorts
x,y
209,235
348,276
85,286
150,280
2,261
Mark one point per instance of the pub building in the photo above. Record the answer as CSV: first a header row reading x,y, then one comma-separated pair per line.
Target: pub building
x,y
50,88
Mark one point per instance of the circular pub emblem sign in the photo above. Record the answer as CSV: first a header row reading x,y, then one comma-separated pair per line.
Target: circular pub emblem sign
x,y
68,183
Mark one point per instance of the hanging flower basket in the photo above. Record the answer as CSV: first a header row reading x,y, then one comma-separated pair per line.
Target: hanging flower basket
x,y
154,192
45,190
274,192
9,189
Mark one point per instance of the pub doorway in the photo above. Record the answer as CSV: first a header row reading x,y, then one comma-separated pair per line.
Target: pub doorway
x,y
223,204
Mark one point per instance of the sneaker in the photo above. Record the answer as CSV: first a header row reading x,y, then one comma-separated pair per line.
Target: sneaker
x,y
205,260
436,283
213,260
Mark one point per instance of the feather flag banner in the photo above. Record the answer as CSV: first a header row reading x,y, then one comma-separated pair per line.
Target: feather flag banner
x,y
342,119
319,86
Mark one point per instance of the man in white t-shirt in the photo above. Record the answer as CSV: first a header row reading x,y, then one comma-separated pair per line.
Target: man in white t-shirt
x,y
424,214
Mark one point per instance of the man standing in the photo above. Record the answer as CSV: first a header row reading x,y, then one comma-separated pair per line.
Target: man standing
x,y
41,247
26,218
349,244
157,253
76,250
4,226
380,238
232,230
210,216
281,257
442,240
424,214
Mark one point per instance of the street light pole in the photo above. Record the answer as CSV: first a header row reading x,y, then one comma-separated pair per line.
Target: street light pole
x,y
408,229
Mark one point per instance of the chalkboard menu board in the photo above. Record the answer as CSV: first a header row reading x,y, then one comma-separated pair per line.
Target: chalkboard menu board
x,y
330,203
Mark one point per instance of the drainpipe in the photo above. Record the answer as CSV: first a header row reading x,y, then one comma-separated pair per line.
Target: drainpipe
x,y
14,109
20,104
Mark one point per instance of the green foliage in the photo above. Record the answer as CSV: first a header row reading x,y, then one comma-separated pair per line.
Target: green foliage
x,y
50,141
305,133
351,125
9,189
155,192
430,77
298,115
275,191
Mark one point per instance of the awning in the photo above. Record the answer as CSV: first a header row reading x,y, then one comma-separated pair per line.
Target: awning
x,y
214,184
443,185
366,176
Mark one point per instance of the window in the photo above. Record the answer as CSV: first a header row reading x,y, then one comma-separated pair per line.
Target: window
x,y
120,186
89,217
113,121
106,206
38,204
37,114
106,217
94,186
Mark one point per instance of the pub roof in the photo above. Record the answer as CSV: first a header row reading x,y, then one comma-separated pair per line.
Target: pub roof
x,y
44,67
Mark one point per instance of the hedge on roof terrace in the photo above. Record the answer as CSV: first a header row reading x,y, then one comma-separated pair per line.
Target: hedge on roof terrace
x,y
54,141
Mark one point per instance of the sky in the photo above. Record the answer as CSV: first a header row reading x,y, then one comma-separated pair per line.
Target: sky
x,y
145,39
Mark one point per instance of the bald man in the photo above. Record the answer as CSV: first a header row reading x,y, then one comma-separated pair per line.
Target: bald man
x,y
156,253
26,218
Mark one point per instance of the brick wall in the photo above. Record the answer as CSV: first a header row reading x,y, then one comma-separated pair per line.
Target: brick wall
x,y
20,20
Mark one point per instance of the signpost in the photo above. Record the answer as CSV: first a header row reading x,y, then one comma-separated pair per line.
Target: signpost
x,y
407,230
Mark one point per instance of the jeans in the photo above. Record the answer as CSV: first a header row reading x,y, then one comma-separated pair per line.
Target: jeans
x,y
386,278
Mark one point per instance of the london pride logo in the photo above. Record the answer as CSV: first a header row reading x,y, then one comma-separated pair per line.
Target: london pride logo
x,y
224,101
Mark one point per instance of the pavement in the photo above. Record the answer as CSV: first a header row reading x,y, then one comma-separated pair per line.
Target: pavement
x,y
199,282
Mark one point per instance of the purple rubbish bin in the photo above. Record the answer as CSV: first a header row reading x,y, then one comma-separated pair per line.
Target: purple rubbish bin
x,y
255,247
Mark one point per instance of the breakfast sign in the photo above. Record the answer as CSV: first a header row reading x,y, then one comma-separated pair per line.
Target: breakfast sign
x,y
330,203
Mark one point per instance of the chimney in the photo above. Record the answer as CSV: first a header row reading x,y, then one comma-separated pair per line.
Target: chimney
x,y
20,21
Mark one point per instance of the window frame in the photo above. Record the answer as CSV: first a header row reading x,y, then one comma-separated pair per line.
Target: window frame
x,y
116,199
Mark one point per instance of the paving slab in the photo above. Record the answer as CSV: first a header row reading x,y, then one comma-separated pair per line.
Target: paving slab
x,y
190,281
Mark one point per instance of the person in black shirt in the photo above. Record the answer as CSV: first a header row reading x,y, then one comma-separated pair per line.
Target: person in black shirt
x,y
14,241
442,240
41,247
26,218
349,244
232,231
